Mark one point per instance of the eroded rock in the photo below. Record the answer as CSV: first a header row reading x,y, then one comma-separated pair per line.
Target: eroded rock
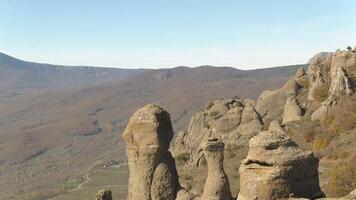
x,y
276,167
292,111
217,186
152,169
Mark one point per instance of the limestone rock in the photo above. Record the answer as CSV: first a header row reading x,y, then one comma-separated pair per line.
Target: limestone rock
x,y
351,196
104,195
340,83
217,186
153,175
319,74
292,111
183,194
300,72
276,168
271,103
234,120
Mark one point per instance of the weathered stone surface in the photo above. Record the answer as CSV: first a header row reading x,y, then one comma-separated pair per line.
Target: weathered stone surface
x,y
271,103
340,83
351,196
292,111
234,120
104,195
217,186
152,169
300,72
277,168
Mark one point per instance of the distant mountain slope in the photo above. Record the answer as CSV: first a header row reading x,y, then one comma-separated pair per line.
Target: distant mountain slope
x,y
48,139
19,74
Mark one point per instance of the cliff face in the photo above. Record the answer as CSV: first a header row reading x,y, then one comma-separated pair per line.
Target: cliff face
x,y
316,108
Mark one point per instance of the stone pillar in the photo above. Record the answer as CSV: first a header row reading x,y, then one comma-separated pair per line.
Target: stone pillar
x,y
153,174
217,185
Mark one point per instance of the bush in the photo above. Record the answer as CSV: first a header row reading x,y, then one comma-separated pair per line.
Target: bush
x,y
321,142
320,93
183,157
342,179
214,114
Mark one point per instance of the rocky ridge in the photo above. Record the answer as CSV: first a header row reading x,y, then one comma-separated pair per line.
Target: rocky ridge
x,y
315,100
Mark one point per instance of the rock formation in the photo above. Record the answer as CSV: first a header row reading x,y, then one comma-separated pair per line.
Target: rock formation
x,y
292,111
217,186
153,174
104,194
234,120
340,83
277,168
270,103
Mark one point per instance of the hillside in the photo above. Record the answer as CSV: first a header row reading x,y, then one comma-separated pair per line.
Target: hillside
x,y
16,74
49,138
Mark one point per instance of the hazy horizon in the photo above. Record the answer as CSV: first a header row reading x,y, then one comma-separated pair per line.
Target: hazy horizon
x,y
159,34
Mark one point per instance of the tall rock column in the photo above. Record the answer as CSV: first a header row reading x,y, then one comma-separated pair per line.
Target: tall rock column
x,y
217,186
153,175
277,168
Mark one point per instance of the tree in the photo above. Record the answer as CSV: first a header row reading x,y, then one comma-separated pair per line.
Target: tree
x,y
349,48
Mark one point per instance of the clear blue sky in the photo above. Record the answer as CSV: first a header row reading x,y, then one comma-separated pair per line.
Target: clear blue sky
x,y
243,34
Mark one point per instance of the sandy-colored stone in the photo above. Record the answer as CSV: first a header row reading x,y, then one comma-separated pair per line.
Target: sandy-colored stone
x,y
217,186
292,111
153,175
277,168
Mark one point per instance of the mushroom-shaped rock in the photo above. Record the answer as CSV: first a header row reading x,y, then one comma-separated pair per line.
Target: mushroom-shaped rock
x,y
153,174
276,167
217,186
292,111
104,194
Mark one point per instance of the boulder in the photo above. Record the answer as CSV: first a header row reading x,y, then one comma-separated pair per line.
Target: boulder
x,y
152,171
217,186
292,111
276,168
103,194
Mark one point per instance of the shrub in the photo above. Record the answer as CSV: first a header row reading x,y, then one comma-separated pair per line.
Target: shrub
x,y
320,93
183,157
214,114
342,179
321,142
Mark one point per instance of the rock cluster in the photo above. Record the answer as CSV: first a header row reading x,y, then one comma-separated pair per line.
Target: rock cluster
x,y
234,120
277,168
217,186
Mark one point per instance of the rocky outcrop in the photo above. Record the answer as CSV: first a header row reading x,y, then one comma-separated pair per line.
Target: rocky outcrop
x,y
340,83
276,168
292,111
234,120
153,174
104,195
332,80
217,186
270,104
